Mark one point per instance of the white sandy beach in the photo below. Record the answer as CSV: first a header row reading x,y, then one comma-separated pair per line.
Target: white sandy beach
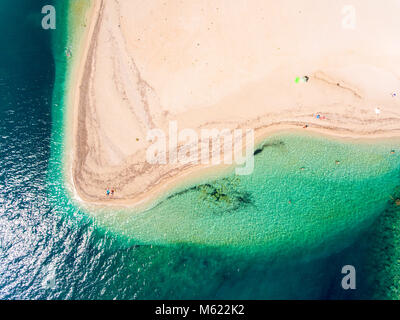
x,y
223,64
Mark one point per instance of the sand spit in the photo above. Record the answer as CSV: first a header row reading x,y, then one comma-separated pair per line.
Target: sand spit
x,y
223,64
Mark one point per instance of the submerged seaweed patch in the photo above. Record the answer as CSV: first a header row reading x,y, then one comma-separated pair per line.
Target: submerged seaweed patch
x,y
383,263
224,194
272,144
219,195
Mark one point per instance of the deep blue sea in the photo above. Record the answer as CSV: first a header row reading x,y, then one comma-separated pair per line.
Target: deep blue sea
x,y
49,249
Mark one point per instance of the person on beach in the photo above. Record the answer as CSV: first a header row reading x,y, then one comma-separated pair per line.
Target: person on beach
x,y
112,192
108,192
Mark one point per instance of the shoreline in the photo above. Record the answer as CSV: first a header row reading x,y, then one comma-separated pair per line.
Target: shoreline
x,y
75,71
199,174
354,129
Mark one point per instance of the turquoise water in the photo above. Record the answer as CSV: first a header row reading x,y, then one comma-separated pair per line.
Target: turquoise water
x,y
296,189
283,232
